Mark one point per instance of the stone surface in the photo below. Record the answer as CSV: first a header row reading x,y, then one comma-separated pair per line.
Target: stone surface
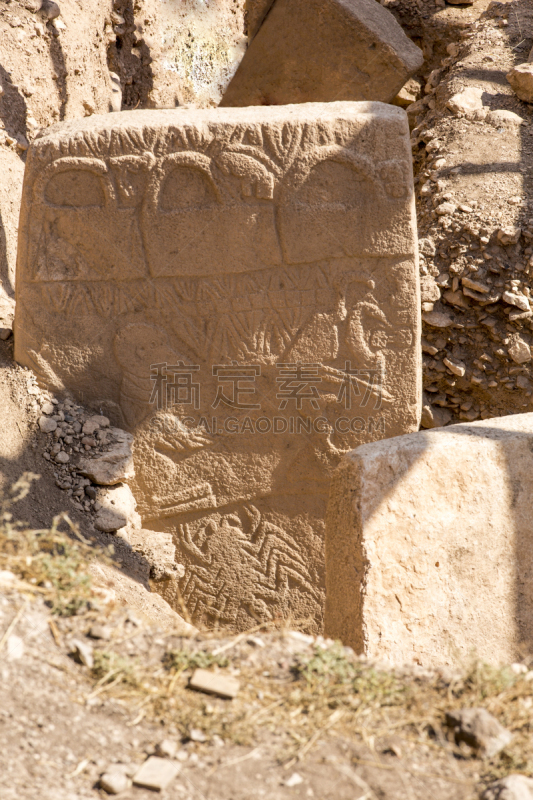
x,y
156,773
521,80
239,288
117,509
477,728
425,564
324,50
114,466
513,787
114,782
214,683
466,101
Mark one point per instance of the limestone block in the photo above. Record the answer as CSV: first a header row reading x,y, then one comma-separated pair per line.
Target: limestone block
x,y
241,285
521,80
428,545
324,50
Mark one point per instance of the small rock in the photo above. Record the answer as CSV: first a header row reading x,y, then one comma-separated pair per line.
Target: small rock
x,y
518,300
196,735
429,291
101,632
47,408
114,466
90,427
214,683
513,787
156,773
427,246
509,235
294,780
167,748
114,782
479,730
83,652
47,425
457,367
62,457
50,9
501,117
466,101
435,417
521,80
445,208
520,351
15,647
109,521
5,333
437,319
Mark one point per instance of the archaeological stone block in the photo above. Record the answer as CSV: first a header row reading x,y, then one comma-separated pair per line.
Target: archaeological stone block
x,y
429,553
325,51
238,288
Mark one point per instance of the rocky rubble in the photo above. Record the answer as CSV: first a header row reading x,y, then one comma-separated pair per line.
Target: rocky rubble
x,y
471,145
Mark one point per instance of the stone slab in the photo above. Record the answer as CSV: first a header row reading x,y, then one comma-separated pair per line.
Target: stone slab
x,y
325,51
429,545
239,289
203,680
156,773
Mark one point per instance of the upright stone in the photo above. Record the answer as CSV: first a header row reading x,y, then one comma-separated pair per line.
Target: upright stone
x,y
429,552
324,50
238,288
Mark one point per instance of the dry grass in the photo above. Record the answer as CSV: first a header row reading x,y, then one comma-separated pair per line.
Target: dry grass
x,y
50,562
327,691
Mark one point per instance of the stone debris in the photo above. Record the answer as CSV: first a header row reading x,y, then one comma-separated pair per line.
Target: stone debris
x,y
520,351
83,652
513,787
117,508
47,425
156,773
414,495
324,50
114,782
467,101
479,730
167,748
5,333
114,466
294,780
50,9
217,683
521,80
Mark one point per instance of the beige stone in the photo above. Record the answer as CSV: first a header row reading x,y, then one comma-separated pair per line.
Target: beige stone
x,y
214,683
267,259
156,773
324,50
428,545
521,80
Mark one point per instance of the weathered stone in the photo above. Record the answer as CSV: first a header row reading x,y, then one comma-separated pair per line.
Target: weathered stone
x,y
467,101
115,465
117,509
214,683
47,425
240,286
156,773
433,417
513,787
520,351
479,730
521,80
324,50
421,562
114,782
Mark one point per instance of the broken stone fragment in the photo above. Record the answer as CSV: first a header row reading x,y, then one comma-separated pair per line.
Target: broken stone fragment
x,y
82,652
518,300
117,508
47,425
520,351
513,787
324,50
479,730
214,683
437,319
156,773
457,367
521,80
509,235
435,417
114,782
466,101
114,466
